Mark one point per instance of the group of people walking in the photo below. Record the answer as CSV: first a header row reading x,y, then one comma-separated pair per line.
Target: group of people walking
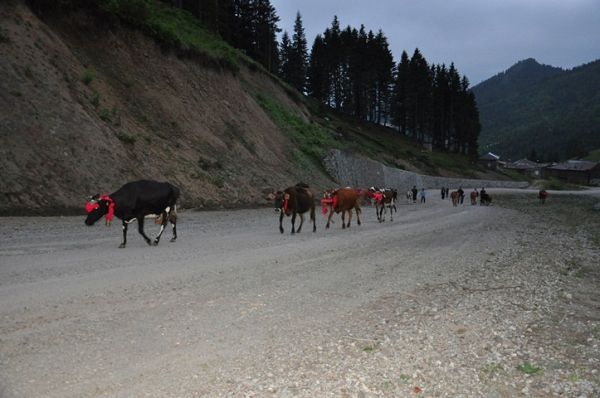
x,y
445,193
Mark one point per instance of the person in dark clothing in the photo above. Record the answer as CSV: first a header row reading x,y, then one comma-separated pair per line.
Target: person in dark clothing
x,y
414,193
461,195
443,193
447,192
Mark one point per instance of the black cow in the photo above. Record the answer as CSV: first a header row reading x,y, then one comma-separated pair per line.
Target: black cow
x,y
134,201
295,200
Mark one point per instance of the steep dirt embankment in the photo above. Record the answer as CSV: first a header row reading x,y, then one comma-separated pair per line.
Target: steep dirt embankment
x,y
86,106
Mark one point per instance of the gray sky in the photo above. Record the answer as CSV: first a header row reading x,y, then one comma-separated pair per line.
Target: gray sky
x,y
481,37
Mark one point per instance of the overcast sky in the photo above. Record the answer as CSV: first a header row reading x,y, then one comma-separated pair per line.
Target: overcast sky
x,y
481,37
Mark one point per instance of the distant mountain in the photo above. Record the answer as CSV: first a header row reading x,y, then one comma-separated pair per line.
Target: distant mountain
x,y
538,107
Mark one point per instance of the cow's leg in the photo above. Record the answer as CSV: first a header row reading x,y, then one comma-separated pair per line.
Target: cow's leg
x,y
358,210
313,218
293,222
173,220
140,221
281,221
301,222
163,225
343,219
329,218
349,218
122,245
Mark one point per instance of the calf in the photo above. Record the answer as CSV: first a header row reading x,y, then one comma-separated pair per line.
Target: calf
x,y
293,201
133,201
384,198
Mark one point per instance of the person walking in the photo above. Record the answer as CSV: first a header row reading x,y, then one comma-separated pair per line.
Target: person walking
x,y
423,195
447,192
474,196
443,193
414,193
461,195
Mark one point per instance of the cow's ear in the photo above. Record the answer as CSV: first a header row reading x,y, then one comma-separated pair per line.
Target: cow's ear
x,y
271,196
286,196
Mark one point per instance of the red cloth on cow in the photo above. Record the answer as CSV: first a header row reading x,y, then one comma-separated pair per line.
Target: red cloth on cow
x,y
91,206
326,202
111,208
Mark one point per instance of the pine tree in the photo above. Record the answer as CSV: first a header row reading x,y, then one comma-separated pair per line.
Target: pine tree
x,y
284,57
400,97
298,56
318,79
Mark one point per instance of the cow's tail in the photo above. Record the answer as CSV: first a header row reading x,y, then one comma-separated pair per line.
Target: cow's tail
x,y
313,218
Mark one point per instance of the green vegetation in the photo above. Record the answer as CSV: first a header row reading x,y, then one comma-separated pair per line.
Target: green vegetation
x,y
110,116
176,28
559,185
3,37
126,138
87,76
593,156
491,369
529,369
514,175
95,99
312,139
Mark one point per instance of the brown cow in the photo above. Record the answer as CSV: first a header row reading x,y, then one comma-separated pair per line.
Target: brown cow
x,y
455,196
343,200
292,201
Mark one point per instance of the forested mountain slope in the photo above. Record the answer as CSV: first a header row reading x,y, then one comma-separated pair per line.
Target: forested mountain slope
x,y
538,107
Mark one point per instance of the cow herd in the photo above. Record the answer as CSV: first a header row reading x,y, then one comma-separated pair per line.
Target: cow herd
x,y
145,198
299,199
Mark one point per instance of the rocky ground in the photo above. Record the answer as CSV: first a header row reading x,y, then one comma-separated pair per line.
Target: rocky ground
x,y
496,301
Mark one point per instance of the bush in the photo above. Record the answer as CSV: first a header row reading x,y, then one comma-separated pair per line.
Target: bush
x,y
95,100
87,76
126,138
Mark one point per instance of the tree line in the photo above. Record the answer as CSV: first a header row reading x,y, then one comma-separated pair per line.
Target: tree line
x,y
353,71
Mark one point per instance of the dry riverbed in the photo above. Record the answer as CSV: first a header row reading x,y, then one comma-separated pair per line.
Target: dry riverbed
x,y
496,301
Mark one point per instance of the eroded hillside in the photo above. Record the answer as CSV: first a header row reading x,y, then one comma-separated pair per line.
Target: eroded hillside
x,y
86,106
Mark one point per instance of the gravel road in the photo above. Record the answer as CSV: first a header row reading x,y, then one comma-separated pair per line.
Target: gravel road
x,y
417,306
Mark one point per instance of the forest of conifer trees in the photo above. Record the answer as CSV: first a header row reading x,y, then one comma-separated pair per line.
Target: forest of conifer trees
x,y
353,71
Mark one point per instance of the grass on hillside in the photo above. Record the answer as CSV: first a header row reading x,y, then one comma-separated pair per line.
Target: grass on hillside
x,y
312,139
175,27
387,145
593,156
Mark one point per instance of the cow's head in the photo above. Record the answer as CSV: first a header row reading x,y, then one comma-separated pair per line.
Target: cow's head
x,y
96,207
281,201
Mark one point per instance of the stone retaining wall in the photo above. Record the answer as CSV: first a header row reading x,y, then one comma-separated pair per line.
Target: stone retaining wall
x,y
355,171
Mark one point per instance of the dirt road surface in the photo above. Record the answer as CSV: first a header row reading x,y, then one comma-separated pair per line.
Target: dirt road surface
x,y
443,301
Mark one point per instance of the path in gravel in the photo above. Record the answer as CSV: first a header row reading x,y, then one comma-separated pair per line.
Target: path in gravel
x,y
233,307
